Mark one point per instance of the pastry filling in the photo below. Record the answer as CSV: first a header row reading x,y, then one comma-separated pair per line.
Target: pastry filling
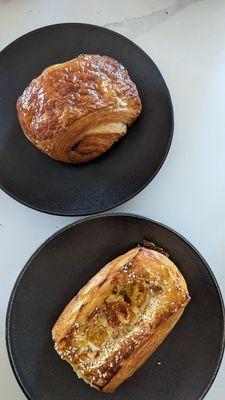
x,y
97,347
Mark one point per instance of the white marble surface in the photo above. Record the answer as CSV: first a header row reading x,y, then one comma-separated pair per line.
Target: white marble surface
x,y
186,39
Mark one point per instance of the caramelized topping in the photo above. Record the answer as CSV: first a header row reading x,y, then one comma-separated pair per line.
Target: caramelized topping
x,y
97,335
137,303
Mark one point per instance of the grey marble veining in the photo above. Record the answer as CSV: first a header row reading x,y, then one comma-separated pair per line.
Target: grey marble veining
x,y
132,27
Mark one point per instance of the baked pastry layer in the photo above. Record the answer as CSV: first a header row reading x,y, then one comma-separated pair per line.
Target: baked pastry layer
x,y
76,110
120,317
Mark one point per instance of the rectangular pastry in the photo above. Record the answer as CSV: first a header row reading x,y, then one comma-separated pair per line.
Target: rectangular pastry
x,y
119,318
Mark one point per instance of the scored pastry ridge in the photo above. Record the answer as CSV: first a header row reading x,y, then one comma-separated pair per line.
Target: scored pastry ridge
x,y
120,317
77,110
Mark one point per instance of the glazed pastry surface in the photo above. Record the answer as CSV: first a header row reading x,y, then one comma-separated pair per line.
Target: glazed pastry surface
x,y
77,110
120,317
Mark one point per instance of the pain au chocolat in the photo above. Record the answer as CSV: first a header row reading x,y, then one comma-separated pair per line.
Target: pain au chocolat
x,y
77,110
120,317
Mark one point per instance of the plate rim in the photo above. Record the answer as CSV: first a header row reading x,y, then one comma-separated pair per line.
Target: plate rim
x,y
79,222
101,28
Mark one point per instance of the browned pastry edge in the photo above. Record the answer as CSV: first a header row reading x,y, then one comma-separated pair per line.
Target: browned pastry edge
x,y
153,246
75,111
143,352
96,289
81,303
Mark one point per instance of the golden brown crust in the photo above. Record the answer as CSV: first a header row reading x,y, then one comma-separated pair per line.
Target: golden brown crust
x,y
135,301
144,351
96,288
75,111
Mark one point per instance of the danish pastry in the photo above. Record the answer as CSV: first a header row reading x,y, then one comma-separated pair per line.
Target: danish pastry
x,y
120,317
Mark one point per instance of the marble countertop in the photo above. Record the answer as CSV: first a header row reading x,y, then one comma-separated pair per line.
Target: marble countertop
x,y
186,40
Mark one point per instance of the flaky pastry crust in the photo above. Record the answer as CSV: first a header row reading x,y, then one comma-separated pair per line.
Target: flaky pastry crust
x,y
77,110
120,317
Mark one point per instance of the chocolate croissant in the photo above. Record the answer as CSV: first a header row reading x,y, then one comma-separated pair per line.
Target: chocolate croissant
x,y
120,317
77,110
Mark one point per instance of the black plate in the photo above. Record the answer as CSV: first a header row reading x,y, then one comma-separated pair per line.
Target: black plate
x,y
190,356
58,188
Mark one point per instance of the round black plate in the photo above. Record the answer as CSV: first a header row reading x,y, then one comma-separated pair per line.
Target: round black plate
x,y
54,187
183,367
